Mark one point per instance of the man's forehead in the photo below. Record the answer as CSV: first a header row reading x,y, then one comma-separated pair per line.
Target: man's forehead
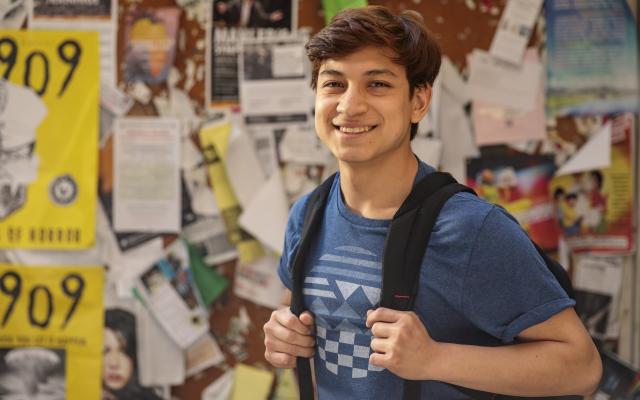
x,y
363,60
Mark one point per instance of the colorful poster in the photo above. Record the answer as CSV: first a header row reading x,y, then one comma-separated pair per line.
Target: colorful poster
x,y
48,157
594,209
592,63
520,183
51,332
150,37
332,7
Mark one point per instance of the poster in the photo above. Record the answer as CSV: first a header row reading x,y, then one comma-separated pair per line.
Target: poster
x,y
51,337
233,21
214,140
146,175
518,182
48,157
594,209
150,37
167,288
592,63
82,15
120,378
274,81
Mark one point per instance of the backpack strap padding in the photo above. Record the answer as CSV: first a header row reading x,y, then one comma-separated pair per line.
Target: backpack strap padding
x,y
310,226
406,244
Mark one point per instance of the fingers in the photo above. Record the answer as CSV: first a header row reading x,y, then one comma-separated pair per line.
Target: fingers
x,y
382,314
380,345
280,360
383,329
307,318
286,318
290,336
275,345
379,360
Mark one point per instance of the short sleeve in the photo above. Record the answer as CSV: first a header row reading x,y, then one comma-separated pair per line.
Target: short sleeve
x,y
507,286
291,239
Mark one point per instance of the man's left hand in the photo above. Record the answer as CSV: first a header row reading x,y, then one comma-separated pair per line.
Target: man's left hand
x,y
400,343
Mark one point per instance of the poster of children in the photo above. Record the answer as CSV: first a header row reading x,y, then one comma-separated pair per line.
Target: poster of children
x,y
594,208
518,182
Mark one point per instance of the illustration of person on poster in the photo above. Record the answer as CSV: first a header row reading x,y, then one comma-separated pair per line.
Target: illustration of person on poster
x,y
518,182
120,368
18,161
151,44
594,208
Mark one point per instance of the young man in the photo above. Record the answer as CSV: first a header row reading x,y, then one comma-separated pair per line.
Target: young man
x,y
482,282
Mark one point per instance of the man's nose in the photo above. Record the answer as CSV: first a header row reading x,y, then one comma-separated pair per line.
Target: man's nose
x,y
352,102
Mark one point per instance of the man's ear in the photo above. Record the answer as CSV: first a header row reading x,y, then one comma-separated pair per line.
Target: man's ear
x,y
420,103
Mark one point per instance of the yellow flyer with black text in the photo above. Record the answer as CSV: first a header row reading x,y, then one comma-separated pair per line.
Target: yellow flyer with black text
x,y
51,332
49,105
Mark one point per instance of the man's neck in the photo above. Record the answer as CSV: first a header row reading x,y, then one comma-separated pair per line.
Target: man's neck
x,y
377,189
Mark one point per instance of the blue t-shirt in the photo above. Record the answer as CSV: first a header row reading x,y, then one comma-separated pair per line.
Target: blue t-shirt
x,y
482,282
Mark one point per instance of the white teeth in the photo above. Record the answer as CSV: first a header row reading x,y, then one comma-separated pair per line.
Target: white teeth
x,y
358,129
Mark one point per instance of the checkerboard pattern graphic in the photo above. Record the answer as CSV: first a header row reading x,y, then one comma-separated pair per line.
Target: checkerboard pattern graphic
x,y
345,351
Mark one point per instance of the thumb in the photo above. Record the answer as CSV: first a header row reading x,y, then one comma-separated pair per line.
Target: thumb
x,y
306,318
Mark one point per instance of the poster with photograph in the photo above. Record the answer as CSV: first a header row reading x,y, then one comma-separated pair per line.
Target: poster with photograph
x,y
594,209
233,21
150,37
592,63
168,290
120,379
274,81
518,182
48,158
51,332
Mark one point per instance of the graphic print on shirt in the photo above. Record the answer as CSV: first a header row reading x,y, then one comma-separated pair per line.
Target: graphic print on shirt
x,y
339,289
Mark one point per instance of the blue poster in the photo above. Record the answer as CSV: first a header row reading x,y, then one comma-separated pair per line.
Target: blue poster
x,y
592,63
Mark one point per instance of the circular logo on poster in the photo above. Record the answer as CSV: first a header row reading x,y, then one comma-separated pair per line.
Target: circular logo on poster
x,y
63,190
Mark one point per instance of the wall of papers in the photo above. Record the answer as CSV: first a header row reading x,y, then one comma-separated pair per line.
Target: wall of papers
x,y
150,151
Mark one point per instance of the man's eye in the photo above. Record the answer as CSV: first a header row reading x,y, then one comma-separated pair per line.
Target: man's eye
x,y
332,84
378,84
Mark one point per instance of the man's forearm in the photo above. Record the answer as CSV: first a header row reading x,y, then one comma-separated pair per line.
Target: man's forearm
x,y
544,368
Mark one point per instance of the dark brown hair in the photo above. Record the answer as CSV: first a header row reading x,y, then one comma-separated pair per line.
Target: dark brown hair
x,y
413,46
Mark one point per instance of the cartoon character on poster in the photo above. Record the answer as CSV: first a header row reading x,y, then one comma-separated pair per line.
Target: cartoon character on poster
x,y
518,182
120,359
594,209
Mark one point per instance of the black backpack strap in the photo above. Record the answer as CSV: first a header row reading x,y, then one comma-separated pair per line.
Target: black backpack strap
x,y
312,221
406,244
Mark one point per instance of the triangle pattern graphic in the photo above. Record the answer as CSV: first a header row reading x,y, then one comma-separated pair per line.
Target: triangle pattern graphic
x,y
348,326
373,294
347,288
318,307
345,311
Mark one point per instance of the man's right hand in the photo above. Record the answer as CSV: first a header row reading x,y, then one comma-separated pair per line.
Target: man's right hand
x,y
287,337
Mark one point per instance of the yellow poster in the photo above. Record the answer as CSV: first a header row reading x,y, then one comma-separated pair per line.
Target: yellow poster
x,y
49,104
214,140
51,332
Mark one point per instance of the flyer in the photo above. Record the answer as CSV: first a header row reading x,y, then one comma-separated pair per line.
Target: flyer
x,y
51,337
48,157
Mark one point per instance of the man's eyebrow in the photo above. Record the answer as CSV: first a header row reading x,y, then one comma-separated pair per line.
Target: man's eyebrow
x,y
371,72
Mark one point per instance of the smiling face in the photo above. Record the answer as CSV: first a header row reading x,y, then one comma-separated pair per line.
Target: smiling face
x,y
363,108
